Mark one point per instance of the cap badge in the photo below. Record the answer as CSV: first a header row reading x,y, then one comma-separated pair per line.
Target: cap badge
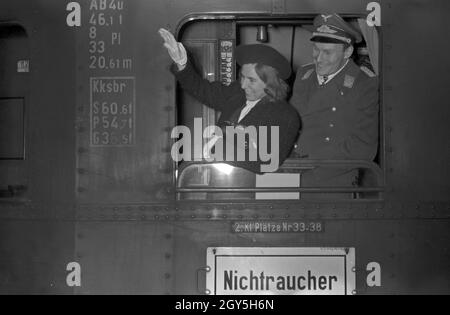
x,y
326,29
326,17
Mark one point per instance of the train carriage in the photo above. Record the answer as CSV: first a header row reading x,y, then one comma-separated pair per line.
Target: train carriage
x,y
88,181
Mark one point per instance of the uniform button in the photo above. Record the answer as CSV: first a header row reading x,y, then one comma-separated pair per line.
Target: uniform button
x,y
333,109
331,125
327,139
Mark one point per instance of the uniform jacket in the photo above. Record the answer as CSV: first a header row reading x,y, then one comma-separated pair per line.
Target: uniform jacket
x,y
340,122
230,100
340,118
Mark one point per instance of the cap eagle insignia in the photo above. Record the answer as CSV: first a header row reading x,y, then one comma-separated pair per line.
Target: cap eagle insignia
x,y
326,17
326,29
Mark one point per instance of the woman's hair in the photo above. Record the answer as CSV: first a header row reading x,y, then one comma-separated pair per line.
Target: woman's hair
x,y
276,88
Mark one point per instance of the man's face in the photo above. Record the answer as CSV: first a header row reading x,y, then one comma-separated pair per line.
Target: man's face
x,y
251,83
329,58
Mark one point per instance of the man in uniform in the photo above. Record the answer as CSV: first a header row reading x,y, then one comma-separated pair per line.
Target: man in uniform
x,y
338,104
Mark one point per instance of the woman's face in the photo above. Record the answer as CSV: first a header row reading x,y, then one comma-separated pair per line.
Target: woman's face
x,y
251,83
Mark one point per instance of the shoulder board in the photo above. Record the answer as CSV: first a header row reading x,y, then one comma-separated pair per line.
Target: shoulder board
x,y
368,72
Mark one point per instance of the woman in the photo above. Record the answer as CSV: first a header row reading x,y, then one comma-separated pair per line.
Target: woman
x,y
257,102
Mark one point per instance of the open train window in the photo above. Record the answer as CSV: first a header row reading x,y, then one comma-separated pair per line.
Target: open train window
x,y
211,41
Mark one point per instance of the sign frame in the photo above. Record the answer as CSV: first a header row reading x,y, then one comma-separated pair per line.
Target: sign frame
x,y
240,260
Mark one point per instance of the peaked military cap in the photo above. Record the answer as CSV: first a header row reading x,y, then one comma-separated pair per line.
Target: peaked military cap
x,y
263,54
331,28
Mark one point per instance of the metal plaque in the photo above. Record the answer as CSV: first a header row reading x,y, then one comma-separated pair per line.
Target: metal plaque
x,y
278,227
280,270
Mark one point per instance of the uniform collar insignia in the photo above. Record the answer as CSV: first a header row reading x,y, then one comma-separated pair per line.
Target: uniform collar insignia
x,y
349,81
307,74
326,29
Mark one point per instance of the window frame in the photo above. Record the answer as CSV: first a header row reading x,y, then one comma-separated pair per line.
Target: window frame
x,y
255,19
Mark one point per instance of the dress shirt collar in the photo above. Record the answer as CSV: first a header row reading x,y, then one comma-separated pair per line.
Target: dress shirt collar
x,y
248,107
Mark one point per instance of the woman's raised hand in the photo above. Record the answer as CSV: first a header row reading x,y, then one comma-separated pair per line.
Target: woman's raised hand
x,y
175,49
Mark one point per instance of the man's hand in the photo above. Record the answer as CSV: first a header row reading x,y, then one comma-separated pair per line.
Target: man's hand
x,y
175,49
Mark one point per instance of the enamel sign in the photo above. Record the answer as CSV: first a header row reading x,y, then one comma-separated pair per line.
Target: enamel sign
x,y
280,270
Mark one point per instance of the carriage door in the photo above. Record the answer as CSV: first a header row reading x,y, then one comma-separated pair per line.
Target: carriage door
x,y
14,69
